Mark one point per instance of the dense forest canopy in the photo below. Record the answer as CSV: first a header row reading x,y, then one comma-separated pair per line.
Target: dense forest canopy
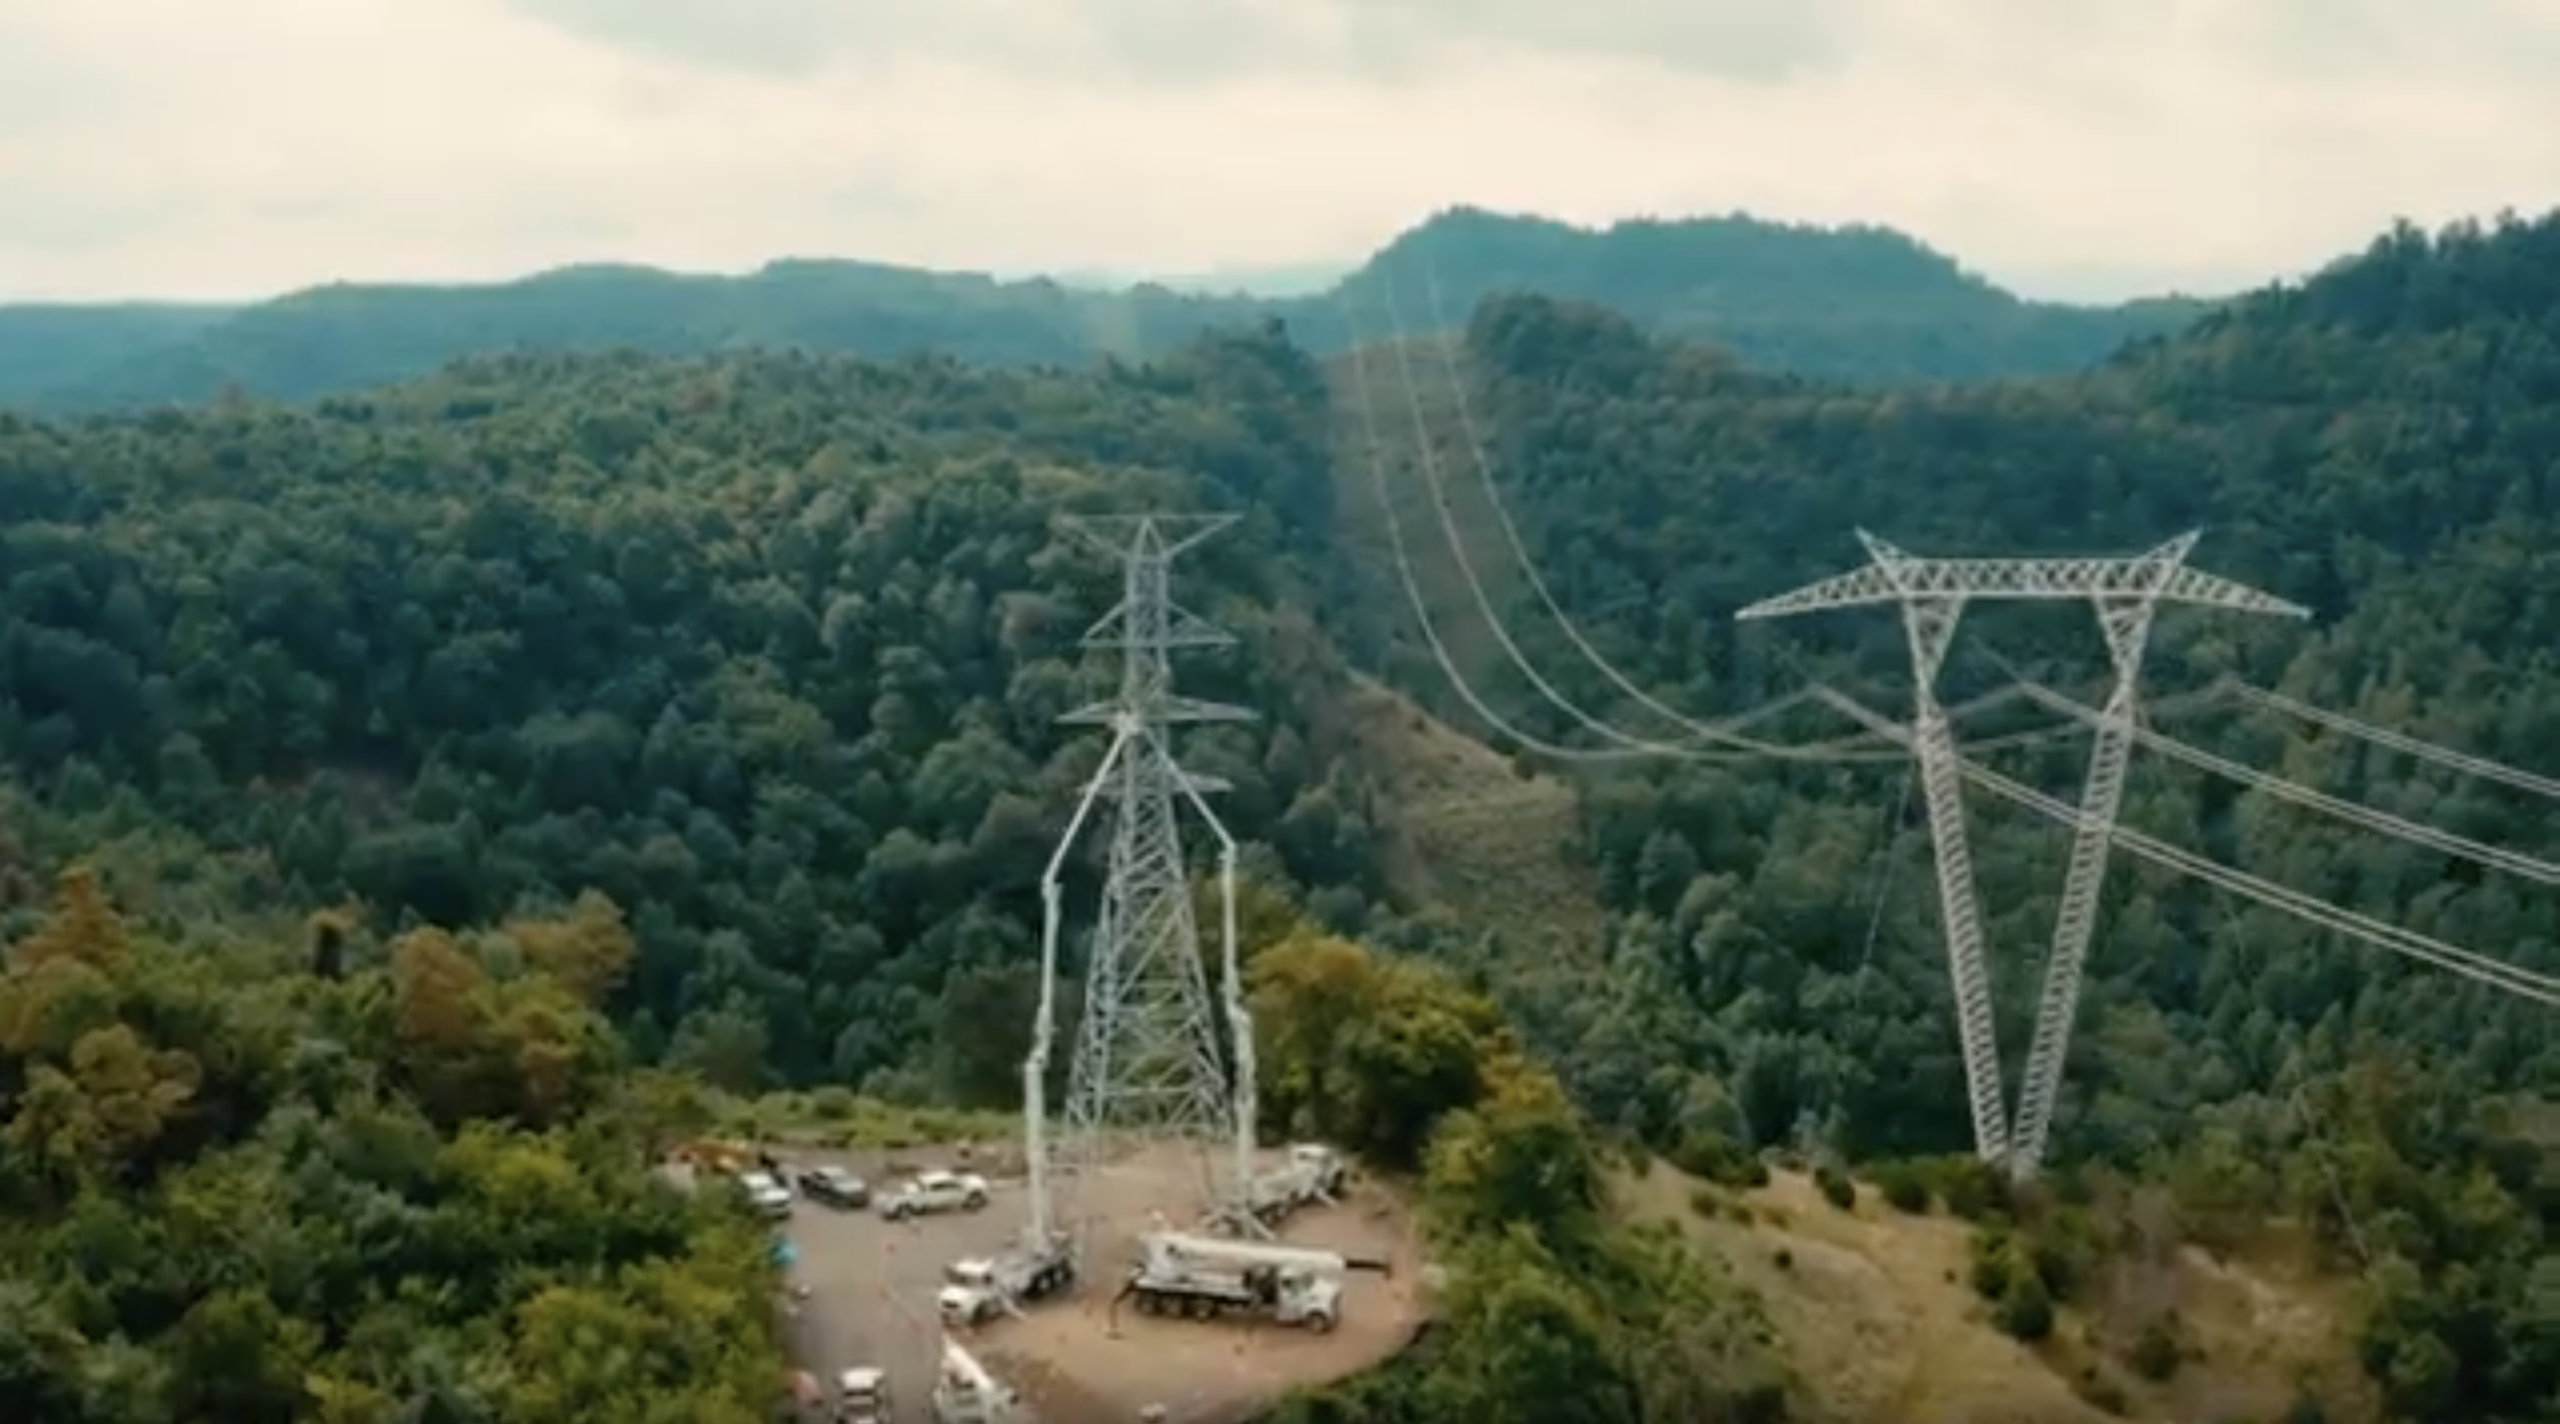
x,y
767,648
739,672
1859,303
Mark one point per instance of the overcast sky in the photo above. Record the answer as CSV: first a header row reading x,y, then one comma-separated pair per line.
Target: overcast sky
x,y
230,148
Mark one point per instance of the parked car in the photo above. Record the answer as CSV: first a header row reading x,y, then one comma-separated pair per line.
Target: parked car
x,y
836,1187
767,1195
931,1192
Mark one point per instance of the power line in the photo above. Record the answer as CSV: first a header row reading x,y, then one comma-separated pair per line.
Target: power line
x,y
1429,458
1483,461
2526,867
2402,742
2479,968
1728,745
1628,748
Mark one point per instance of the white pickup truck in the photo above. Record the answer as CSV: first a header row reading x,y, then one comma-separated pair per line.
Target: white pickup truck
x,y
928,1193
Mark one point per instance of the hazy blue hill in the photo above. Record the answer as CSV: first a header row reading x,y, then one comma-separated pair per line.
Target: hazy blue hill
x,y
1864,303
1859,303
57,346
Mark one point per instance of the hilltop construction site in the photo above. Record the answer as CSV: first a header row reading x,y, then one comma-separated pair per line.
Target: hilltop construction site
x,y
871,1297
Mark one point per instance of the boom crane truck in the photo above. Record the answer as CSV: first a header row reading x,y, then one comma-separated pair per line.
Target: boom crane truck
x,y
1313,1174
1207,1276
965,1393
1044,1261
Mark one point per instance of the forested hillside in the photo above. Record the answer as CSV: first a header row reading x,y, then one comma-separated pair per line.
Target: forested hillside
x,y
1865,304
763,652
766,648
2382,445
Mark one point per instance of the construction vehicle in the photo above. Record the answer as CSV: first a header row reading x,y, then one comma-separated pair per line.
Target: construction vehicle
x,y
928,1193
1312,1174
964,1393
979,1288
1205,1276
862,1396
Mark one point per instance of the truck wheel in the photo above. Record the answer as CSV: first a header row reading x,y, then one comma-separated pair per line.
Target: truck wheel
x,y
1321,1322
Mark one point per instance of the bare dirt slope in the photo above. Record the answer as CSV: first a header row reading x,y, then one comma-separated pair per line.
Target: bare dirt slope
x,y
1876,1308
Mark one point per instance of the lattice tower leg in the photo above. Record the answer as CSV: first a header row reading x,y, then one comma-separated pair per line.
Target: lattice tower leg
x,y
1930,624
2126,623
1148,1043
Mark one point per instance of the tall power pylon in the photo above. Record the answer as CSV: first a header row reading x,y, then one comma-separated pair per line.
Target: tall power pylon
x,y
2126,593
1147,1052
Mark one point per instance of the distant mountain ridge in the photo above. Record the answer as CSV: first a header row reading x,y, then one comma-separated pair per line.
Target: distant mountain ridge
x,y
1860,303
1280,281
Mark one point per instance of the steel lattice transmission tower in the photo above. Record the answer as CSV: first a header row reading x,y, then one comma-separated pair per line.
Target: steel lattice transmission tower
x,y
1933,593
1147,1052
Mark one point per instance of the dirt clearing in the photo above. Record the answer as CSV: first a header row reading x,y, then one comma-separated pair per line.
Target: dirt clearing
x,y
871,1286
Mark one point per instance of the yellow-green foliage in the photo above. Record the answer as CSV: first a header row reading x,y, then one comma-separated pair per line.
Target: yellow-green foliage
x,y
401,1192
1554,1311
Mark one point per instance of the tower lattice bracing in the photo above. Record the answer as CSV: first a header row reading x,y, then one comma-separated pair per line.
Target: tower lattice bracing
x,y
1147,1055
1933,595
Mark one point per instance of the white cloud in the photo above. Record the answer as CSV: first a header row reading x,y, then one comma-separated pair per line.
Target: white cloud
x,y
178,148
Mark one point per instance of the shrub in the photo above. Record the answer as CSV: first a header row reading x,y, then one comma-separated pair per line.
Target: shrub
x,y
1992,1264
1905,1187
2155,1351
2025,1311
1836,1187
1714,1157
1971,1188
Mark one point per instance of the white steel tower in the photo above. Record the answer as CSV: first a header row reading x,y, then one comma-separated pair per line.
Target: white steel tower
x,y
1147,1057
1933,593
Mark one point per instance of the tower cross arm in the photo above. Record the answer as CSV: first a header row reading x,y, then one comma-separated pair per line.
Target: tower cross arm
x,y
2017,579
1159,536
2160,575
1167,708
2214,591
1856,588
